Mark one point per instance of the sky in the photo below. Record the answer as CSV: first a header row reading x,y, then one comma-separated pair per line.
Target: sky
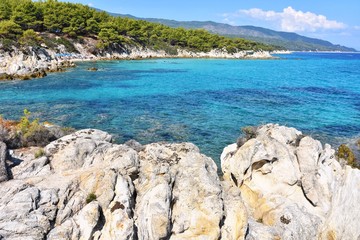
x,y
332,20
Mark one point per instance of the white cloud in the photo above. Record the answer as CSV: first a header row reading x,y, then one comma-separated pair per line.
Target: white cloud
x,y
228,19
291,20
90,4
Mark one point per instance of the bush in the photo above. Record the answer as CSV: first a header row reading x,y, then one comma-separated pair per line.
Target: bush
x,y
32,133
39,153
344,152
91,197
7,44
30,38
9,29
67,130
249,131
68,45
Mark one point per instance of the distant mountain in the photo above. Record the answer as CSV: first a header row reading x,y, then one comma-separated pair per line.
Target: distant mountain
x,y
286,40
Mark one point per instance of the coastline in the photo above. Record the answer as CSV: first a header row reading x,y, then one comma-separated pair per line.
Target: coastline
x,y
36,62
113,190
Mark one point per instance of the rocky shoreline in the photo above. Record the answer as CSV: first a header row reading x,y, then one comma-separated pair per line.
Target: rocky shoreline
x,y
276,184
35,62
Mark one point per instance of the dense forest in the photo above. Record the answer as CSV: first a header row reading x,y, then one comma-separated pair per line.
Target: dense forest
x,y
21,21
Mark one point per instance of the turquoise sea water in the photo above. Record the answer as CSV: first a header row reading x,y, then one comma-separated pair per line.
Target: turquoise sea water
x,y
204,101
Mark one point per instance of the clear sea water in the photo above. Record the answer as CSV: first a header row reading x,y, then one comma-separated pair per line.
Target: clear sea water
x,y
204,101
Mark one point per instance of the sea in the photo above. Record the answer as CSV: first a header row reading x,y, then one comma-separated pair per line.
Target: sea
x,y
203,101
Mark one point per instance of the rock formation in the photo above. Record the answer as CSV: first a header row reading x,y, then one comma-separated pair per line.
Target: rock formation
x,y
34,62
3,170
278,184
293,186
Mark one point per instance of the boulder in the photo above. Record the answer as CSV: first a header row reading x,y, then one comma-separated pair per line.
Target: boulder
x,y
292,185
172,201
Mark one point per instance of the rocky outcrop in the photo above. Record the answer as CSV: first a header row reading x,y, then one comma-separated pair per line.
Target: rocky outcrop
x,y
35,62
32,62
87,187
294,186
279,184
223,53
3,170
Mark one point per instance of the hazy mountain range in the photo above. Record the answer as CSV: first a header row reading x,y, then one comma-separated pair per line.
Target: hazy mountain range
x,y
286,40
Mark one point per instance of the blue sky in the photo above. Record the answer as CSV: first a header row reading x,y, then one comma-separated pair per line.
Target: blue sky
x,y
335,21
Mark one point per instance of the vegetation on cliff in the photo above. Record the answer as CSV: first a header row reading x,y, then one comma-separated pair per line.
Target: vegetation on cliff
x,y
22,20
344,152
29,131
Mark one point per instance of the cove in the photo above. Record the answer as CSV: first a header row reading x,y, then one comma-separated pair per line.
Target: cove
x,y
204,101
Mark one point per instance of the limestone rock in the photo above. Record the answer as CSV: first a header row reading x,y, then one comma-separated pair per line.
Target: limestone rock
x,y
87,220
36,167
67,231
277,185
342,221
70,152
120,216
292,185
257,230
24,214
3,169
236,216
177,203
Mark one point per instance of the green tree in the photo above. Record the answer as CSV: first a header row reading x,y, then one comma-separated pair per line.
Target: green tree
x,y
5,10
92,26
53,18
28,16
108,36
30,38
9,29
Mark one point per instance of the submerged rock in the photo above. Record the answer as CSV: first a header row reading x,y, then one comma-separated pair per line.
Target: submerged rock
x,y
278,184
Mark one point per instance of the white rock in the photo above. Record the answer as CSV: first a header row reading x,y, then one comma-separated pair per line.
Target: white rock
x,y
236,216
119,216
292,185
87,220
278,185
31,168
3,169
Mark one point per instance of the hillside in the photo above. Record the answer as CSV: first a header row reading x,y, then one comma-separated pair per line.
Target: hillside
x,y
21,21
286,40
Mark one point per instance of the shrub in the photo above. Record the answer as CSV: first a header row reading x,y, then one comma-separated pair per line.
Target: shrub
x,y
7,44
344,152
32,133
9,29
91,197
249,131
24,123
67,130
67,43
30,38
39,153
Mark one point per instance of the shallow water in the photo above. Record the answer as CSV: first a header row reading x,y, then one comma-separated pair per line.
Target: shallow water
x,y
204,101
